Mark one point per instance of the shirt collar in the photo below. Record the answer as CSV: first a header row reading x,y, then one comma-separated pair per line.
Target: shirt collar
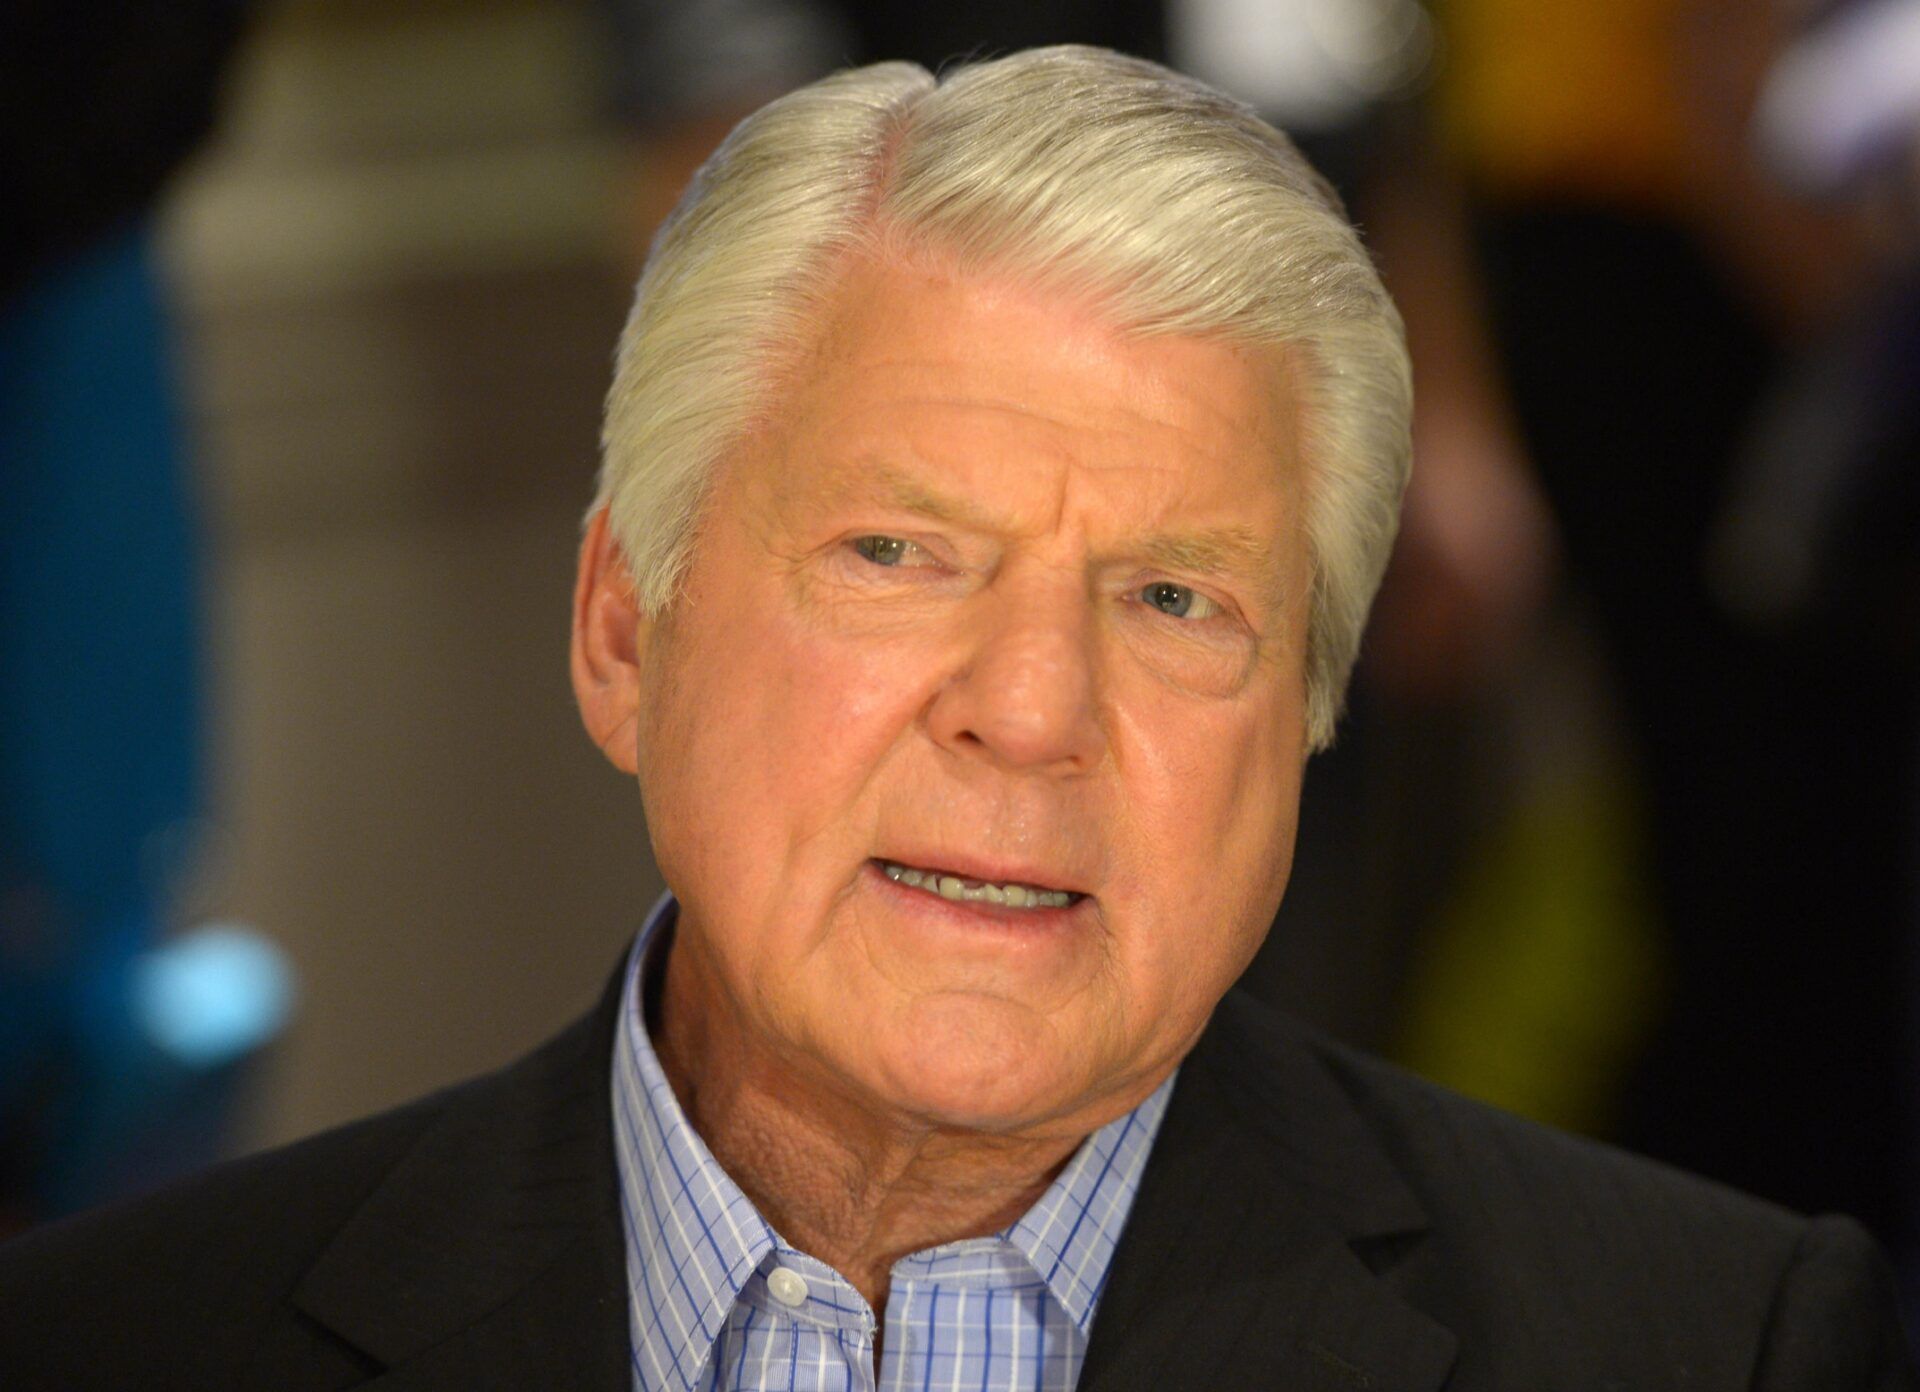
x,y
694,1240
1069,1235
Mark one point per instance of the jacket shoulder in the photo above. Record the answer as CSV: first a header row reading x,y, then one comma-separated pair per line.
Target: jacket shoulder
x,y
239,1276
1664,1277
1537,1243
106,1297
1475,1164
1472,1162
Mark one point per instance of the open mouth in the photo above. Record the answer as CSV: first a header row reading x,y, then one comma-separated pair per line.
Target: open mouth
x,y
961,890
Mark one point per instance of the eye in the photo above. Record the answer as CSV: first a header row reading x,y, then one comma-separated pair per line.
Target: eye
x,y
884,550
1178,601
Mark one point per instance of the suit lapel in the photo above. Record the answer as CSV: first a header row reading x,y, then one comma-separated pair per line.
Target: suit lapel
x,y
492,1255
1245,1263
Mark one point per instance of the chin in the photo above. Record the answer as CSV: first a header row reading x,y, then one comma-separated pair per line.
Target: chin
x,y
976,1063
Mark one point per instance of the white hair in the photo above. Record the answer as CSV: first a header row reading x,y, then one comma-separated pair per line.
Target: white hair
x,y
1072,166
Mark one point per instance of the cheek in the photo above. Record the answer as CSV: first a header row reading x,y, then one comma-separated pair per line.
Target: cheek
x,y
1205,780
770,731
1261,806
1211,805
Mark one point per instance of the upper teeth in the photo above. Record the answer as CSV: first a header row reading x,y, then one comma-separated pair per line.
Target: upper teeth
x,y
1014,896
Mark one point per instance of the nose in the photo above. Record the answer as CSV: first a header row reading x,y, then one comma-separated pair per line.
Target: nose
x,y
1027,694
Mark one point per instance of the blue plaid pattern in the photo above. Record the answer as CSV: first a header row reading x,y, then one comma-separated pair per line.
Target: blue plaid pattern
x,y
991,1314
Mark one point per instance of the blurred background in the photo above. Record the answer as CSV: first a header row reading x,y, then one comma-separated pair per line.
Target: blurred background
x,y
306,311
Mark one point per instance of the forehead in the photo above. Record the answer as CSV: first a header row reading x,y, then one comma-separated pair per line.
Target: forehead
x,y
921,381
903,323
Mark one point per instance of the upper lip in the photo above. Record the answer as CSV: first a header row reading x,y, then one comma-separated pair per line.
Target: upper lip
x,y
971,866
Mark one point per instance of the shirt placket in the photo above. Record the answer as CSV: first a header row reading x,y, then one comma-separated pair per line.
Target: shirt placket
x,y
970,1314
800,1325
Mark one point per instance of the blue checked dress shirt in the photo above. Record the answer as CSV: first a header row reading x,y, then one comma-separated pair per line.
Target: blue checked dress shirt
x,y
718,1300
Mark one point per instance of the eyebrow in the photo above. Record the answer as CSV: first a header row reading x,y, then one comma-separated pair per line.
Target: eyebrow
x,y
1230,552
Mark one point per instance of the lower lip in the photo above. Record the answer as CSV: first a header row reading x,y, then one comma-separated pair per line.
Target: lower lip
x,y
982,913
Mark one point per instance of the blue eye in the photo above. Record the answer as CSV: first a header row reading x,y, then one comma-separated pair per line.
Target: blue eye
x,y
1177,601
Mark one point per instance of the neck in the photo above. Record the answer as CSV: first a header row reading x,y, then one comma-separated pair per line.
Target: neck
x,y
838,1179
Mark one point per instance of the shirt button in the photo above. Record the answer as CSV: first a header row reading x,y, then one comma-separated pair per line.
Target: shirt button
x,y
789,1287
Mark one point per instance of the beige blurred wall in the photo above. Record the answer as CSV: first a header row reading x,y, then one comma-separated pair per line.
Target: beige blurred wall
x,y
400,284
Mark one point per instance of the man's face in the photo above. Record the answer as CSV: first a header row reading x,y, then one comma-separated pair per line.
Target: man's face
x,y
1002,594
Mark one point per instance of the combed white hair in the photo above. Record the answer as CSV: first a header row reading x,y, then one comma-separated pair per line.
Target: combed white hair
x,y
1071,166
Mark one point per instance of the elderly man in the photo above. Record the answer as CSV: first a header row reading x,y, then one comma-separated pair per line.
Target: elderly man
x,y
997,473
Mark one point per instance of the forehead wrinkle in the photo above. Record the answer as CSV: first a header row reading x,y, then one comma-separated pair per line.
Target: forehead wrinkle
x,y
1123,444
875,480
904,491
1146,407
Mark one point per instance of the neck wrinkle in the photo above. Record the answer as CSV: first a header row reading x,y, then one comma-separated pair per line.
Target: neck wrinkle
x,y
854,1190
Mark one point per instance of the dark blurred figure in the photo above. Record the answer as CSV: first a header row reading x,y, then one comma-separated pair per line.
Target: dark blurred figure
x,y
1822,528
102,101
1650,287
113,1055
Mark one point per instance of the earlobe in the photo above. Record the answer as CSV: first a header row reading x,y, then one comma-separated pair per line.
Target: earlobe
x,y
609,642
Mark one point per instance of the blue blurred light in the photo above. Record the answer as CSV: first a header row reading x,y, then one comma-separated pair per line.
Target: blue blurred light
x,y
212,994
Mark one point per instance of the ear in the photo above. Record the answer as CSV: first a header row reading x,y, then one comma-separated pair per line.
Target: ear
x,y
610,634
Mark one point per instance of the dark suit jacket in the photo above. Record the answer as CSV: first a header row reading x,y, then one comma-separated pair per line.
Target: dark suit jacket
x,y
1310,1220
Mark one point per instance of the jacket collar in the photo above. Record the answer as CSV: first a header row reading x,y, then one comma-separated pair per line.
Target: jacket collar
x,y
1259,1253
1268,1227
492,1255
